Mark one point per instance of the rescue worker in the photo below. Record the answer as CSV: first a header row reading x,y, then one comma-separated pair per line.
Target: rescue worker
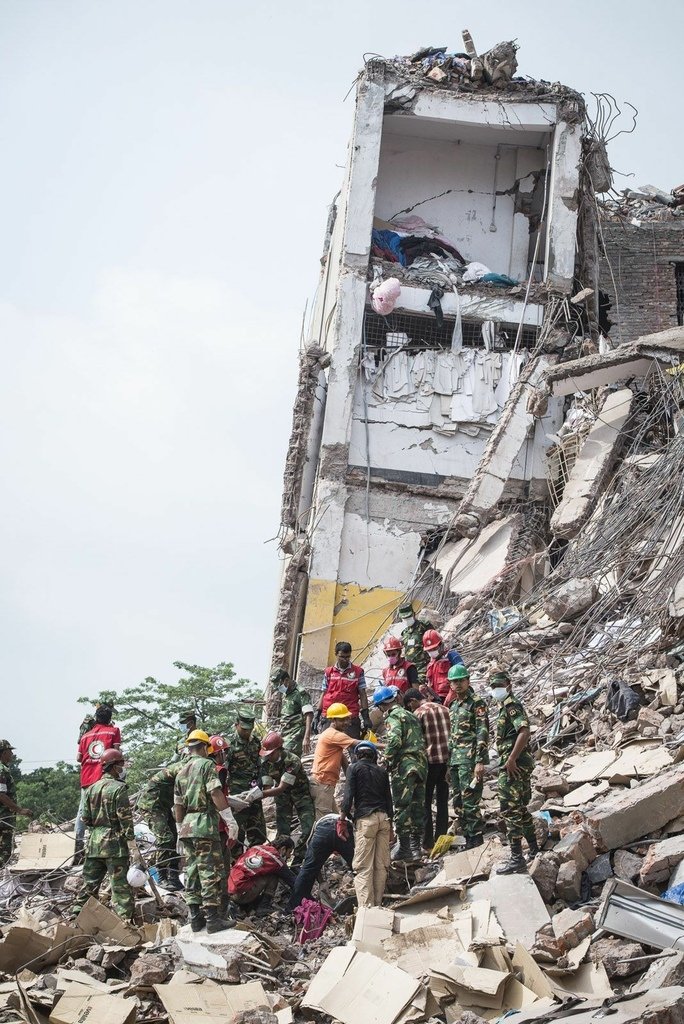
x,y
219,746
254,876
515,773
368,801
188,724
329,756
91,746
412,639
436,724
156,803
198,804
345,683
455,673
441,660
296,713
286,781
244,777
331,835
407,763
9,808
111,846
468,754
399,672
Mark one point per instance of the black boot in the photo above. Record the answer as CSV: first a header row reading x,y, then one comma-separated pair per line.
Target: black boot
x,y
173,882
475,841
516,862
265,906
402,849
197,918
533,847
216,923
416,848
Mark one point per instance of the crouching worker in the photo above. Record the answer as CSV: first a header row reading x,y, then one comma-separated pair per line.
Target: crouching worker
x,y
254,876
331,834
111,844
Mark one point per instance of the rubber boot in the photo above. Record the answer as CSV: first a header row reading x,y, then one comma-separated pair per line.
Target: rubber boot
x,y
416,847
402,849
216,923
533,848
516,862
197,918
173,882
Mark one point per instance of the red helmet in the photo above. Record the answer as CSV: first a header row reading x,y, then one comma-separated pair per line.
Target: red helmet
x,y
219,743
111,756
271,741
431,639
393,643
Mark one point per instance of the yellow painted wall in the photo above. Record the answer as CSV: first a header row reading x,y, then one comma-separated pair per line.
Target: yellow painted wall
x,y
355,614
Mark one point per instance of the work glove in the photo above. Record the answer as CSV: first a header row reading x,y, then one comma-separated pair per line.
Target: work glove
x,y
254,794
231,824
237,803
180,849
365,718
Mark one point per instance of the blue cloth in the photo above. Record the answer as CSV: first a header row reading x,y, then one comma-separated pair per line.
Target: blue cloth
x,y
389,240
502,279
454,658
674,895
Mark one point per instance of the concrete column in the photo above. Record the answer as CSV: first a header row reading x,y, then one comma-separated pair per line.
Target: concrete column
x,y
562,204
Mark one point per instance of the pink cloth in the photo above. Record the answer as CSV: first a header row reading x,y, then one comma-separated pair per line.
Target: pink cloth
x,y
311,917
385,296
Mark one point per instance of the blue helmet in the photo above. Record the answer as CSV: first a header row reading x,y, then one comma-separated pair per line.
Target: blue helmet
x,y
384,694
365,745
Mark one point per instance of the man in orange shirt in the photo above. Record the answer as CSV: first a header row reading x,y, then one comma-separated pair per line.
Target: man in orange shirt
x,y
329,756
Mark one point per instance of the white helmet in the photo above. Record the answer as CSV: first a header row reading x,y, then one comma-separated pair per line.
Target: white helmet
x,y
136,877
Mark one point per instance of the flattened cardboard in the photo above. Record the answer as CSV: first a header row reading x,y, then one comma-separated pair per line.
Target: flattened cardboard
x,y
433,892
416,951
371,991
532,974
474,986
372,926
44,852
210,1003
330,972
589,981
106,926
74,1007
27,947
517,905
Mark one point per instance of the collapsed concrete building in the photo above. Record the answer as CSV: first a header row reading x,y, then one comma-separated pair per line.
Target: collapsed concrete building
x,y
438,454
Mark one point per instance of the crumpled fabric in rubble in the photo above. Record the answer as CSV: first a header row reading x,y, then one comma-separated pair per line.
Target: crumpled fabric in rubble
x,y
622,700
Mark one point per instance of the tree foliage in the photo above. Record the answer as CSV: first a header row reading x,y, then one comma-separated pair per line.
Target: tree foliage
x,y
51,793
147,714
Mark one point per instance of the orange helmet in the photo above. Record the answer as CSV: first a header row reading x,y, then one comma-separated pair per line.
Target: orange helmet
x,y
111,756
431,639
219,743
271,741
393,643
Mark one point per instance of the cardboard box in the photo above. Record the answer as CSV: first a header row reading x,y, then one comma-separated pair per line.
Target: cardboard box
x,y
44,852
210,1003
77,1007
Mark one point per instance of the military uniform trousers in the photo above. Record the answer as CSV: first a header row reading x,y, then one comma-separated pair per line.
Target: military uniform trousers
x,y
205,873
95,870
162,824
371,857
514,796
466,798
252,825
408,795
286,806
6,841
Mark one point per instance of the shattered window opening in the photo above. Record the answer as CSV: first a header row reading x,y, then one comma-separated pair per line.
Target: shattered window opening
x,y
414,332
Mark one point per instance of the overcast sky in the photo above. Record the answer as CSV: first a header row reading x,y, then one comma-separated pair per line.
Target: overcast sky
x,y
166,172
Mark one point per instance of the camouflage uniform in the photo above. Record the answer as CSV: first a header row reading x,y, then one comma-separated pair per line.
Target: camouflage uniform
x,y
8,819
406,760
294,706
297,799
468,746
107,813
244,769
412,639
156,802
516,793
199,832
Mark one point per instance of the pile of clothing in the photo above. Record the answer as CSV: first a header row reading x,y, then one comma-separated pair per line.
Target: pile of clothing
x,y
405,240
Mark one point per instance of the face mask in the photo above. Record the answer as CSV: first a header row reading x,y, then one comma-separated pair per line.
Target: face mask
x,y
122,774
433,654
393,659
282,688
409,622
500,693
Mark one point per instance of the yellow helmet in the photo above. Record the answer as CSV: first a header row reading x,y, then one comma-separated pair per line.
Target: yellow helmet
x,y
200,736
338,711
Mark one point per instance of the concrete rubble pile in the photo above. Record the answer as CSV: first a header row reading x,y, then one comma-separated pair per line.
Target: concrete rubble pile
x,y
647,203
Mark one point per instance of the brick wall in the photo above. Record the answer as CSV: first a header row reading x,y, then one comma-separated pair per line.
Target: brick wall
x,y
642,260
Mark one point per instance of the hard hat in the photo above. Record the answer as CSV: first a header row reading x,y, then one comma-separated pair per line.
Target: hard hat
x,y
384,694
272,741
5,745
136,877
366,745
338,710
198,736
111,756
458,672
219,743
431,639
393,643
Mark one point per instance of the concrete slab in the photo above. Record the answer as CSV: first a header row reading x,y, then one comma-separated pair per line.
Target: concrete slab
x,y
633,813
517,905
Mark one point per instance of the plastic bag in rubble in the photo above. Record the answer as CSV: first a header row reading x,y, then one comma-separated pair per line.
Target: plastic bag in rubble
x,y
385,296
622,700
674,895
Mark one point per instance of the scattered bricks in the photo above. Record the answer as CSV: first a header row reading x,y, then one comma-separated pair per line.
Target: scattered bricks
x,y
569,881
661,859
544,872
254,1017
94,970
570,927
600,869
95,954
626,865
613,952
649,719
668,969
551,782
577,846
623,817
150,969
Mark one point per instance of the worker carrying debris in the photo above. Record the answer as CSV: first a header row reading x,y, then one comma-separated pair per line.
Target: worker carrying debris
x,y
515,772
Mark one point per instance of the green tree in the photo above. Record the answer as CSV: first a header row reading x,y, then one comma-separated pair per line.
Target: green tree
x,y
51,793
147,714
